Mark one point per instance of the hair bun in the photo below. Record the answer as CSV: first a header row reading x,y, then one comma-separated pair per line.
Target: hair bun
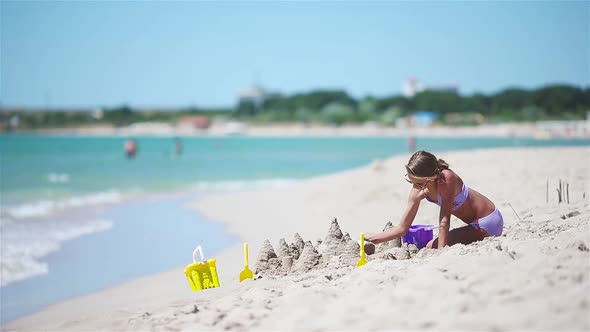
x,y
442,165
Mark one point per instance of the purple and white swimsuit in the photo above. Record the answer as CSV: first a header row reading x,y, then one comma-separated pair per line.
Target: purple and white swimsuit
x,y
493,223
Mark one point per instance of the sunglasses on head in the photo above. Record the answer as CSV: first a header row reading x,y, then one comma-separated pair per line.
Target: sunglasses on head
x,y
418,184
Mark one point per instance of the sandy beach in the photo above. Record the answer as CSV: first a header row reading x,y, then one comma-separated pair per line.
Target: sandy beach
x,y
536,276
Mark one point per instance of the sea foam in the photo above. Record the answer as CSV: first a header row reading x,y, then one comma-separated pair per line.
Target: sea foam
x,y
47,207
25,242
58,178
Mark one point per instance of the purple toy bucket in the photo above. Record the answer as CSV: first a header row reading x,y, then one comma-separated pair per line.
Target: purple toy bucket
x,y
419,235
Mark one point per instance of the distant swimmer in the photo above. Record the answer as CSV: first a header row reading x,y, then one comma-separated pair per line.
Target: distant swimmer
x,y
130,148
411,144
178,146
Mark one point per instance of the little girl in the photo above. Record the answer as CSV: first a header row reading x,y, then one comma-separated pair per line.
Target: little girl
x,y
432,179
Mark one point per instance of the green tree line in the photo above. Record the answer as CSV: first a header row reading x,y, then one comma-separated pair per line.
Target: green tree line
x,y
336,106
564,102
118,116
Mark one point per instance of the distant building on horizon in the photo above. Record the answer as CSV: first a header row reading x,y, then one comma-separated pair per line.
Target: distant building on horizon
x,y
253,94
412,86
251,99
194,122
420,119
448,87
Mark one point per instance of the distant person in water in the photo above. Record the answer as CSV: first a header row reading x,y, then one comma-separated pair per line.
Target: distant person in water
x,y
433,180
411,144
177,146
130,148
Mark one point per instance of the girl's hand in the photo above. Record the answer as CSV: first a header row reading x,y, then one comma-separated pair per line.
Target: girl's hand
x,y
369,236
369,246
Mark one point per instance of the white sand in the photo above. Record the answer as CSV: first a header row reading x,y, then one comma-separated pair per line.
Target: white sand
x,y
535,277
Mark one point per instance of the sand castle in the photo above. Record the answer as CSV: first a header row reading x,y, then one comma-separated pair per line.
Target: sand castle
x,y
336,250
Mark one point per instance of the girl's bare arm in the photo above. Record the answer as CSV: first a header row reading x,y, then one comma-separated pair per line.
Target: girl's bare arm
x,y
445,190
398,231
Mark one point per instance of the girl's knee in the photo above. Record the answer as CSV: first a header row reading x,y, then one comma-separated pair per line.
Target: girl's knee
x,y
432,243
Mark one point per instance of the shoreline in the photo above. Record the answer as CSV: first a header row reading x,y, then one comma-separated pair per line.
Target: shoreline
x,y
107,252
362,199
509,130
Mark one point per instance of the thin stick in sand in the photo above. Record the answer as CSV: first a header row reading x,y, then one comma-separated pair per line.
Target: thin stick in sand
x,y
514,212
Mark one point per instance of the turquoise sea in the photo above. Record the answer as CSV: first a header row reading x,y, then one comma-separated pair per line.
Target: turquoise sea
x,y
71,203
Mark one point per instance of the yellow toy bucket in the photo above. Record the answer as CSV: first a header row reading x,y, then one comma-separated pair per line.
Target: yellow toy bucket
x,y
203,274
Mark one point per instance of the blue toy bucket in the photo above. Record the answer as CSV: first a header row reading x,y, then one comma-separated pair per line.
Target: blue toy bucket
x,y
419,235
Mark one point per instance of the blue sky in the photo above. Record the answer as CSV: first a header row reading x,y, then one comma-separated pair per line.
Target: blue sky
x,y
169,54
